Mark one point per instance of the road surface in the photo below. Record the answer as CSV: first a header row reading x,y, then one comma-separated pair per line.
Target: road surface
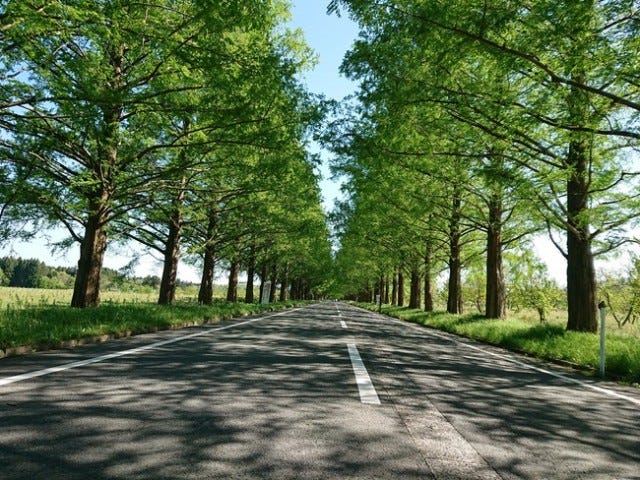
x,y
322,392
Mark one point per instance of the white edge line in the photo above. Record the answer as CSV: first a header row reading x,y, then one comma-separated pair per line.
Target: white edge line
x,y
451,338
368,394
132,351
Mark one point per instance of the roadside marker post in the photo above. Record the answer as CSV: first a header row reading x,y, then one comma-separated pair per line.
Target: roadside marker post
x,y
603,313
266,292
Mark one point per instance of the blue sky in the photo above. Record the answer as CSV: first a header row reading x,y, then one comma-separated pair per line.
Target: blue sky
x,y
330,37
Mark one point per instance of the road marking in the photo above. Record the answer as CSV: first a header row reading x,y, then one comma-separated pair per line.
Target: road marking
x,y
344,325
367,391
133,351
605,391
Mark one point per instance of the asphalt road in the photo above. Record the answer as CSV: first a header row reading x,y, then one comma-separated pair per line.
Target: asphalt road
x,y
324,392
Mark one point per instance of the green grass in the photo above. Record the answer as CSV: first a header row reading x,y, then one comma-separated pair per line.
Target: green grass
x,y
15,297
47,326
549,341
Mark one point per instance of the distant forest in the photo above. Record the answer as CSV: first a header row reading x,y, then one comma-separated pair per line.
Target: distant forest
x,y
31,273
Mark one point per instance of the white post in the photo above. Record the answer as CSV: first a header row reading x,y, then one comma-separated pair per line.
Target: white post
x,y
603,313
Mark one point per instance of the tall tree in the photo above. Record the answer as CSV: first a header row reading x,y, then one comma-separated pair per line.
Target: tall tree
x,y
569,98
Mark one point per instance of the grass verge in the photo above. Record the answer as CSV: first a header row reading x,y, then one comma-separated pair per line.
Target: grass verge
x,y
545,341
46,327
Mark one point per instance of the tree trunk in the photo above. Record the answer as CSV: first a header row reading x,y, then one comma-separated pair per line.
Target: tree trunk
x,y
386,290
428,289
172,252
205,294
400,288
379,291
232,288
581,284
284,284
394,290
273,279
170,269
295,289
264,273
454,292
86,290
415,293
495,297
251,272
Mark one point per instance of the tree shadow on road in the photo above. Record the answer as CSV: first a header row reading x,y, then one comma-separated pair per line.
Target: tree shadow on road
x,y
276,400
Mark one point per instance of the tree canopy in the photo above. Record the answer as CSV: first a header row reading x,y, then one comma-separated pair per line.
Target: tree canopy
x,y
135,120
524,116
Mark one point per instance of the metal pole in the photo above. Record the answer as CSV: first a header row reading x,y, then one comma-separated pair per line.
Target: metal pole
x,y
603,313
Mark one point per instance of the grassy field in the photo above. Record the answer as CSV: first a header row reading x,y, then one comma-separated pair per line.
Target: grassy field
x,y
42,319
14,297
548,341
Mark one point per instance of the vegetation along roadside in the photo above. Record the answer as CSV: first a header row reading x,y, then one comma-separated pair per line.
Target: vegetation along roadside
x,y
24,330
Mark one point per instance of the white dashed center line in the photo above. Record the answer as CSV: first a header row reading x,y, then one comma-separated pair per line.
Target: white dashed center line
x,y
368,394
344,325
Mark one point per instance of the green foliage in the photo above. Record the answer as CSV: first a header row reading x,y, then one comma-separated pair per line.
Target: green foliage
x,y
46,326
622,295
529,285
134,121
528,109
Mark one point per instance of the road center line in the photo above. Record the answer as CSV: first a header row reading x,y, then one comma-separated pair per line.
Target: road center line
x,y
133,351
367,391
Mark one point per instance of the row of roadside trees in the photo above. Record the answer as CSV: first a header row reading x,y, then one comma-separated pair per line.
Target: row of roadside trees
x,y
479,124
179,125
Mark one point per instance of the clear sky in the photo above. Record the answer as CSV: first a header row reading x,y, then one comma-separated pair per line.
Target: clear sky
x,y
330,37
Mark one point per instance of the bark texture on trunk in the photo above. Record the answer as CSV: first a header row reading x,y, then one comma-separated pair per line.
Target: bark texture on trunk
x,y
454,292
296,289
172,254
274,287
394,290
251,272
205,294
495,297
284,284
386,290
86,290
581,283
400,288
415,294
264,275
170,266
232,288
428,289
